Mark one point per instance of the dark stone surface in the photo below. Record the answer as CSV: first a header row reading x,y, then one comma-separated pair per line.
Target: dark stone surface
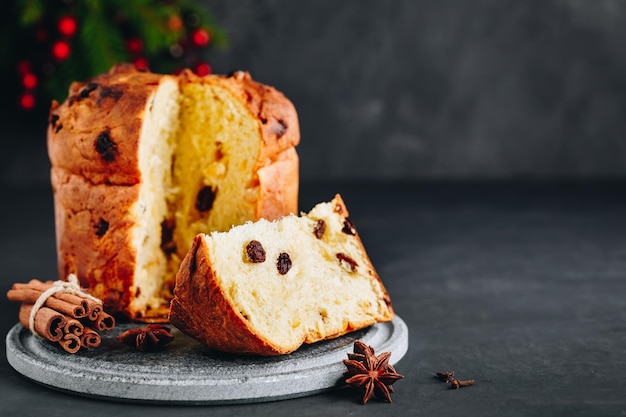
x,y
185,372
422,89
519,286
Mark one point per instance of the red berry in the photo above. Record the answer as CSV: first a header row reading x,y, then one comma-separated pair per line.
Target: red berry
x,y
200,37
203,69
29,80
67,25
27,101
141,63
134,45
61,50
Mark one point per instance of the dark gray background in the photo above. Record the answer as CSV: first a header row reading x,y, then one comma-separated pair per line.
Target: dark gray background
x,y
423,89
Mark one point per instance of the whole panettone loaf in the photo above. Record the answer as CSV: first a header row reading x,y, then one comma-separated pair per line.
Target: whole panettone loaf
x,y
266,288
142,162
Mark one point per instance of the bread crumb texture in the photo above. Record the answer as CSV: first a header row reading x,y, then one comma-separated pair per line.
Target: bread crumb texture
x,y
329,288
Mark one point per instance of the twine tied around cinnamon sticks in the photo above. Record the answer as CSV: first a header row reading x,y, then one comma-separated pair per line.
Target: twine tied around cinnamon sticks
x,y
70,286
61,312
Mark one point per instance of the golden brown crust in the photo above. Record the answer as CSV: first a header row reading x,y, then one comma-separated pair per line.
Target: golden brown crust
x,y
114,103
95,132
93,241
278,189
220,327
93,141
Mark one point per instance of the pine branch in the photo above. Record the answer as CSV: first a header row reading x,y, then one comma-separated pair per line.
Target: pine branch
x,y
104,29
218,36
150,20
101,40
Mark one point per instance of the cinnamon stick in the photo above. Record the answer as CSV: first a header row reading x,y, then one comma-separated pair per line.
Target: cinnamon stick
x,y
48,323
90,338
93,310
73,326
70,343
30,296
104,321
35,284
71,318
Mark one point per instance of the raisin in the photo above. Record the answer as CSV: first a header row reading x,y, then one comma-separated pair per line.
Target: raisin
x,y
255,252
283,264
101,227
105,146
54,118
88,89
348,227
167,236
346,260
84,93
205,198
248,96
320,228
219,153
110,92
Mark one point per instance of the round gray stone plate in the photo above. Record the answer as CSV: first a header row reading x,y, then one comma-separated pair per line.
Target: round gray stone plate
x,y
187,372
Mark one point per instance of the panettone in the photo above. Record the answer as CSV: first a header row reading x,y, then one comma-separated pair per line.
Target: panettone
x,y
142,162
265,288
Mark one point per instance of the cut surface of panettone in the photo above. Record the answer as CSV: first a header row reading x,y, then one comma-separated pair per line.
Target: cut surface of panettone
x,y
143,162
267,287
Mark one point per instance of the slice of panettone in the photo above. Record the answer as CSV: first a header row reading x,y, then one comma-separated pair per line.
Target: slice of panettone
x,y
266,288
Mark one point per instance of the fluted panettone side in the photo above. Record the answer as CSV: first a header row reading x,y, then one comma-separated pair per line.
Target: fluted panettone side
x,y
142,162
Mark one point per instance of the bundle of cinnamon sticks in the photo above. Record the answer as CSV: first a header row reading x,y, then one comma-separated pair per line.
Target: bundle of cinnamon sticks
x,y
71,320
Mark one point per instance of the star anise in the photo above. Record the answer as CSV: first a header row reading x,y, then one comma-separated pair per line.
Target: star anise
x,y
146,338
372,373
